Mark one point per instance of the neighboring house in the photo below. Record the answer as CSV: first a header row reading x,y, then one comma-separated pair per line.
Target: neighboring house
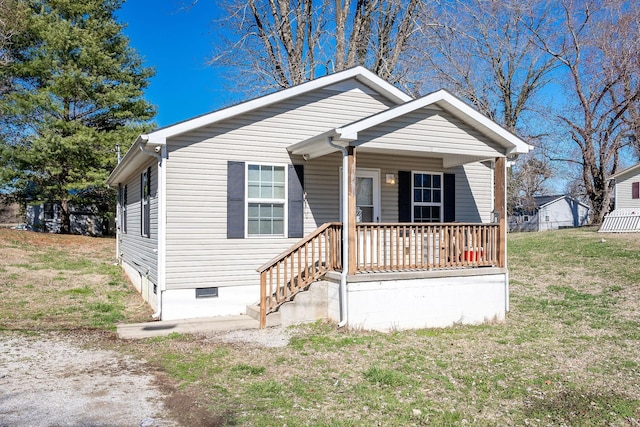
x,y
626,215
550,213
46,217
10,215
248,205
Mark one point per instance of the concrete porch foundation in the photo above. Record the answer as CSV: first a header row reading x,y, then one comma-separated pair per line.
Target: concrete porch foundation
x,y
408,300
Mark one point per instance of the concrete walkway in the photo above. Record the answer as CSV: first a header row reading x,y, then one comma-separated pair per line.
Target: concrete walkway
x,y
186,326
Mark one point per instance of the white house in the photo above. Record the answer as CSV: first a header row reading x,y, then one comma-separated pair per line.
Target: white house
x,y
390,208
550,213
626,215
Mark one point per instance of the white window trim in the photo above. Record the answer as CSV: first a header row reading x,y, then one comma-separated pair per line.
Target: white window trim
x,y
413,202
247,200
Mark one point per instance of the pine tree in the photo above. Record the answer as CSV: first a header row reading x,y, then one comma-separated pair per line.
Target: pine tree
x,y
77,91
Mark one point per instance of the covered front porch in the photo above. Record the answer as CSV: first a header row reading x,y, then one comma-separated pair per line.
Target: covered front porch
x,y
415,264
440,241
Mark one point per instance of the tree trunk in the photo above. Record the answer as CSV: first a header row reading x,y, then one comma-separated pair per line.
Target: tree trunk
x,y
65,217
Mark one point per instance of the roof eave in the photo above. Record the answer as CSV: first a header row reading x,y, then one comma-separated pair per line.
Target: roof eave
x,y
129,162
513,145
360,73
625,171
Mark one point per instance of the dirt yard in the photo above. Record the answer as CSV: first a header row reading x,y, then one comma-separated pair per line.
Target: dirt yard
x,y
55,380
61,363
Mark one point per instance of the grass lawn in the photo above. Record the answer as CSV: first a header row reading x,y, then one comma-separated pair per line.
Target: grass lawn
x,y
568,353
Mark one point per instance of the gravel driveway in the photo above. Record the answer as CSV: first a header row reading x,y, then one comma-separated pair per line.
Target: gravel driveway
x,y
50,380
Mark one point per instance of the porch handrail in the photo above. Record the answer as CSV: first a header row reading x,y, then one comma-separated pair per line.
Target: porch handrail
x,y
294,269
411,246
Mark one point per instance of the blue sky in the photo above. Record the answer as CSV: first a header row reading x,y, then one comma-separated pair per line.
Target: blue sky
x,y
175,37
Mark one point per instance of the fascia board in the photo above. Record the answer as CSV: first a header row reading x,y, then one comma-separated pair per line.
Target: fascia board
x,y
126,160
518,146
625,171
514,144
360,73
131,160
551,202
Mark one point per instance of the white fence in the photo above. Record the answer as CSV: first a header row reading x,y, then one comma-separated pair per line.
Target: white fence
x,y
621,221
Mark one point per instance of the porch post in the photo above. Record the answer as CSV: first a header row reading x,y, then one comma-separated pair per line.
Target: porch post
x,y
351,232
500,207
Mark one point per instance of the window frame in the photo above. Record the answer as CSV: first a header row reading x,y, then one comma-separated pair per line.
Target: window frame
x,y
251,200
635,190
49,211
414,203
145,203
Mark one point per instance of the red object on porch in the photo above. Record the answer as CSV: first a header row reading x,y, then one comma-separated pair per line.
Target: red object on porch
x,y
473,254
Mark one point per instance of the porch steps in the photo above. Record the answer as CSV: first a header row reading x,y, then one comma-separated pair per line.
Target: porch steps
x,y
273,319
306,306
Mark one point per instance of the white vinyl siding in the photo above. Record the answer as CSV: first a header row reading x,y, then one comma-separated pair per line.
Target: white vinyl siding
x,y
624,199
474,186
138,251
440,131
198,251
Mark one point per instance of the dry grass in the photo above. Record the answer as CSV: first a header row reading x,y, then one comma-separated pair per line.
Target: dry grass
x,y
62,282
567,354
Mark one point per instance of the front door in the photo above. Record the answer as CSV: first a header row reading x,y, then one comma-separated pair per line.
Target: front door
x,y
367,195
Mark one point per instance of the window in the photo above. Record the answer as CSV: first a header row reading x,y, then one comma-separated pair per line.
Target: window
x,y
635,190
427,197
49,211
266,200
145,186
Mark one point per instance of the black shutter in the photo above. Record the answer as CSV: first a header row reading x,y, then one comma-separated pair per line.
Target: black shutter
x,y
235,200
449,197
125,209
296,201
404,196
146,203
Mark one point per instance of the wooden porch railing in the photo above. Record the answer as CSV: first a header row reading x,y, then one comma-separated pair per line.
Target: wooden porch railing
x,y
403,246
379,247
297,267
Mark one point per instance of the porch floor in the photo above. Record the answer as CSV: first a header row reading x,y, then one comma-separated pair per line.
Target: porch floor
x,y
367,276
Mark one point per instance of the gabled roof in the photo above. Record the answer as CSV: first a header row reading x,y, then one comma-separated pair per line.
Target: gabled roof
x,y
542,201
159,136
628,171
314,147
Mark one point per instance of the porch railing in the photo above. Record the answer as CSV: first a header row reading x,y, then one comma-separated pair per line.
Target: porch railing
x,y
297,267
379,247
403,246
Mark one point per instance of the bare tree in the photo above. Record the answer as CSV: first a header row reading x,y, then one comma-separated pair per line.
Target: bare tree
x,y
481,51
597,46
528,179
280,43
12,16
